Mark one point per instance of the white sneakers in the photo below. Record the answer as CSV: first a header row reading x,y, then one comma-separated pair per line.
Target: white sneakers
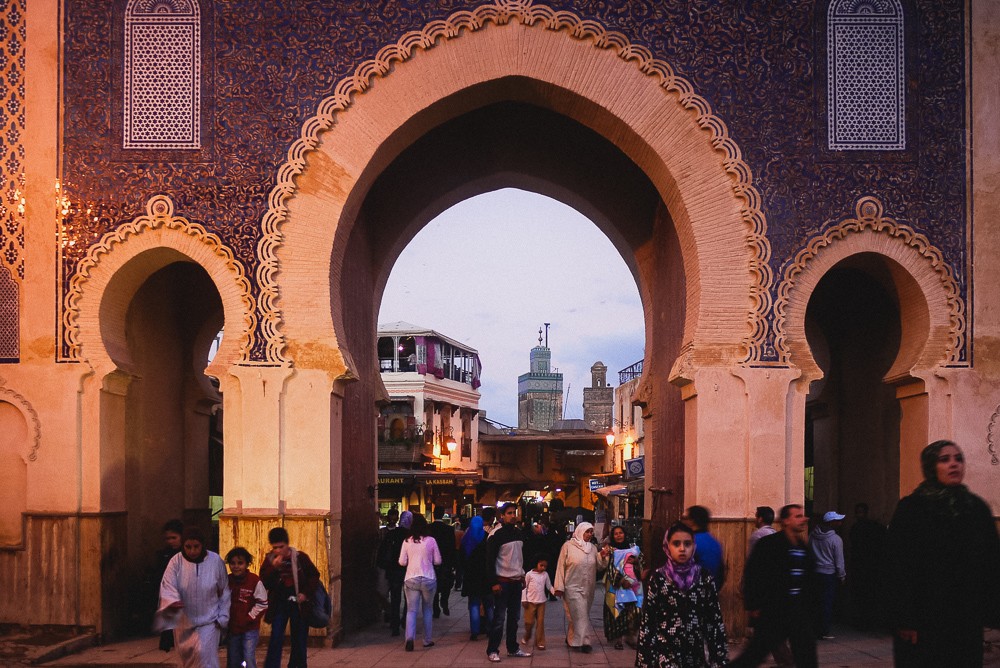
x,y
494,657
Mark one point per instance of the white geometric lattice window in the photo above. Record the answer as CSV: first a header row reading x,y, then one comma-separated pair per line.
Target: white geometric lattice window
x,y
865,86
162,74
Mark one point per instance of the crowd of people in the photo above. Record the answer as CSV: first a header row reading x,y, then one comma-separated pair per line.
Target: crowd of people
x,y
931,577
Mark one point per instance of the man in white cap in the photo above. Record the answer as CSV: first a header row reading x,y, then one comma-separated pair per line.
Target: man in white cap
x,y
828,551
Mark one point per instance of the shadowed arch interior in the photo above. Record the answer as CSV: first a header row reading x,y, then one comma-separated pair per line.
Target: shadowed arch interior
x,y
157,406
852,416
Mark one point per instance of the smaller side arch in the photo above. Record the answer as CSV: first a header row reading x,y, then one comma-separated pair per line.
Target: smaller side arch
x,y
931,306
129,255
29,452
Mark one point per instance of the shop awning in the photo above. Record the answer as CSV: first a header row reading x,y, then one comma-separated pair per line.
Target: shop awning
x,y
612,490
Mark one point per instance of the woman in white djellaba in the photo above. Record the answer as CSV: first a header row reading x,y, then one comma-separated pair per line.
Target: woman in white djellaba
x,y
194,601
576,575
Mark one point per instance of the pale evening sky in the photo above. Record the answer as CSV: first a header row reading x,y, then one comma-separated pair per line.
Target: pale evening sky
x,y
517,260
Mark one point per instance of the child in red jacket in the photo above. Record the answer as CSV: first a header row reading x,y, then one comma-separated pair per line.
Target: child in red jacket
x,y
249,601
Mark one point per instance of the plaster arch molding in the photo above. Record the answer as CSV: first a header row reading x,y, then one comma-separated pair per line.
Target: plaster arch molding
x,y
573,66
29,450
932,314
113,270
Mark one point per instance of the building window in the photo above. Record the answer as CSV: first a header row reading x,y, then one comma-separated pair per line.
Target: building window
x,y
865,76
162,105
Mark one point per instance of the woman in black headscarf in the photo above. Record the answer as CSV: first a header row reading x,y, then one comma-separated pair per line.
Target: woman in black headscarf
x,y
943,568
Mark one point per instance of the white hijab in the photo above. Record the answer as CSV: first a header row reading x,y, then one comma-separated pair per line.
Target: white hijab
x,y
578,540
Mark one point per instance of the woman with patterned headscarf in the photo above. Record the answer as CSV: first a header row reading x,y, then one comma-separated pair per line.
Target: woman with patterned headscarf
x,y
943,568
576,575
681,616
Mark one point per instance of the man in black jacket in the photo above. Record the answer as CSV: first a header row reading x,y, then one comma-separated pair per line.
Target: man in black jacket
x,y
444,536
778,593
505,575
387,558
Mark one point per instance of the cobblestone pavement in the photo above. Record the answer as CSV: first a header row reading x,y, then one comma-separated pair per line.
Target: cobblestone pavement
x,y
374,647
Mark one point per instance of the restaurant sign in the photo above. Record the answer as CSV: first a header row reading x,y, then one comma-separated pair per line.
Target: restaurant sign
x,y
394,479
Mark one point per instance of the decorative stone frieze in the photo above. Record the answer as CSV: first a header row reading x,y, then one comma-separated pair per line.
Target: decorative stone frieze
x,y
543,18
991,437
924,262
30,453
190,239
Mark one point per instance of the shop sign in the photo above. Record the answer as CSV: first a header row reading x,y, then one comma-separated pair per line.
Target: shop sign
x,y
595,484
635,468
441,481
393,480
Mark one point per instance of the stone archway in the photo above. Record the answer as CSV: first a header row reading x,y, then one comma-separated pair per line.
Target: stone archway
x,y
931,320
663,125
94,314
145,305
313,318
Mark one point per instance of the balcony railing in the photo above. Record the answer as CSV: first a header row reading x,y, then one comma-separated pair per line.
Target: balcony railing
x,y
450,371
410,436
630,373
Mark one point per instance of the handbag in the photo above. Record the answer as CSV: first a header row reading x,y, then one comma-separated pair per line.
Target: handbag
x,y
317,607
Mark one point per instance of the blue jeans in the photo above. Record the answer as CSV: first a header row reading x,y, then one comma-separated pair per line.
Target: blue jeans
x,y
243,647
475,623
287,612
507,606
419,592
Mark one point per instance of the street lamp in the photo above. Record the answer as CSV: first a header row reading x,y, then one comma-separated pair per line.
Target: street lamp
x,y
610,437
445,438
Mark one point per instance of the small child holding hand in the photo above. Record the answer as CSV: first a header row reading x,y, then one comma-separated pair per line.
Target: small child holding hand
x,y
537,586
249,601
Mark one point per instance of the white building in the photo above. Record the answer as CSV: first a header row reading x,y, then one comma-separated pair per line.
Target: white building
x,y
428,427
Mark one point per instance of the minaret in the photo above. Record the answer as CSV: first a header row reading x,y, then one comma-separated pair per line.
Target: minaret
x,y
598,399
540,391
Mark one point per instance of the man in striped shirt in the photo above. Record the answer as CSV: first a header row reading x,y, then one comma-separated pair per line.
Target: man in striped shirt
x,y
779,594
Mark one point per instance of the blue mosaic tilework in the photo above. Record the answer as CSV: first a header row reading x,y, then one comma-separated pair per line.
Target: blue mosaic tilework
x,y
761,66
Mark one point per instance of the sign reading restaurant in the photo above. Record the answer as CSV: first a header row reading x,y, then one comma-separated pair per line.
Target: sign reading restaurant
x,y
394,479
427,479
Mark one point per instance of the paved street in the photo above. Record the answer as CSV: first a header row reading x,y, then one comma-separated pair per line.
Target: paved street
x,y
374,647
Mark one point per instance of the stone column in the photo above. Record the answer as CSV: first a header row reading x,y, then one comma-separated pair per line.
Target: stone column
x,y
278,441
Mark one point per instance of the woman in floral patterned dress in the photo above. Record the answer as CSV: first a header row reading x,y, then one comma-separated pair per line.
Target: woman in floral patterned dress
x,y
681,620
